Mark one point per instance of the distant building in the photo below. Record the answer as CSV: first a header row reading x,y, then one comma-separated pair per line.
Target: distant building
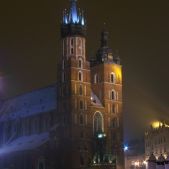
x,y
135,161
134,156
160,163
157,140
75,124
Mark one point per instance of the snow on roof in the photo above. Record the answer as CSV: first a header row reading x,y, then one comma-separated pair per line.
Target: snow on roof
x,y
95,100
31,103
25,143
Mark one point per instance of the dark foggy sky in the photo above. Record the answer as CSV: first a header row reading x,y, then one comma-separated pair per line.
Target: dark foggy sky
x,y
29,43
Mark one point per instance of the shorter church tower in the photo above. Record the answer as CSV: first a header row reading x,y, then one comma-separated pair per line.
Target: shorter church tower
x,y
106,78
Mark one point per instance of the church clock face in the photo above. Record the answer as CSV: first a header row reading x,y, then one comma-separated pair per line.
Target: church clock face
x,y
79,46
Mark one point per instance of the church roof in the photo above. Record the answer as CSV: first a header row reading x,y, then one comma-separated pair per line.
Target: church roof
x,y
95,100
25,143
32,103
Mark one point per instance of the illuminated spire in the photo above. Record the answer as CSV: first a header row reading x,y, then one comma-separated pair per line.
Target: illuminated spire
x,y
73,15
73,22
73,12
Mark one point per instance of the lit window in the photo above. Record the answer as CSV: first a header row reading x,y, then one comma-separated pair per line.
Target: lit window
x,y
112,78
80,76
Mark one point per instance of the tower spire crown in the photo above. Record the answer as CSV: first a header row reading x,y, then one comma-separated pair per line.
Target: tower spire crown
x,y
73,21
73,15
73,11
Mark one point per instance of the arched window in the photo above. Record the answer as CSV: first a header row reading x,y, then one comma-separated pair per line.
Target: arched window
x,y
113,95
96,78
80,90
112,78
80,63
98,122
80,76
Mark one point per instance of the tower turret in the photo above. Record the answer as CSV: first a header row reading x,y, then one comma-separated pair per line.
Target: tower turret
x,y
105,54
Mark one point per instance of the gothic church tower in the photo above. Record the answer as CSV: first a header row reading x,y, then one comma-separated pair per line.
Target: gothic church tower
x,y
89,97
74,91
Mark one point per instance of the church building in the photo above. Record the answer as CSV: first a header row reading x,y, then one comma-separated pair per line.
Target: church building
x,y
76,123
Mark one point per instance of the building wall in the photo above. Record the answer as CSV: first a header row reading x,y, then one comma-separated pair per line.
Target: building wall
x,y
157,141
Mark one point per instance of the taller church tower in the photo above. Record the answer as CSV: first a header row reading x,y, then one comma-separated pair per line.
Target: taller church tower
x,y
74,92
89,97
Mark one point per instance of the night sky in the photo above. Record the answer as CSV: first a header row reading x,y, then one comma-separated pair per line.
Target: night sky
x,y
139,30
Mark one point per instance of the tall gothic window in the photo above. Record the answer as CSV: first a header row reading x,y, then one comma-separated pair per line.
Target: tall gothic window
x,y
98,122
72,51
80,63
112,78
80,76
113,95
